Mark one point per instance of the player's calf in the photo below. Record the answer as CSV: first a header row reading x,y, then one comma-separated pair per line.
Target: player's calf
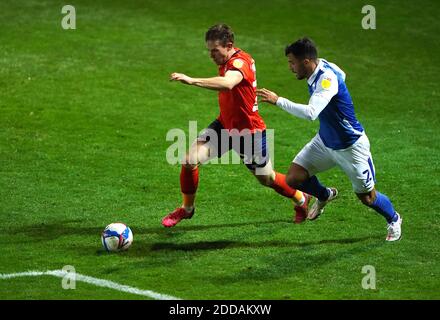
x,y
382,205
296,176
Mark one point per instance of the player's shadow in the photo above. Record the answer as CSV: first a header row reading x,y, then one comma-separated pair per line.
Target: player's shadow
x,y
231,244
179,229
47,231
50,231
285,258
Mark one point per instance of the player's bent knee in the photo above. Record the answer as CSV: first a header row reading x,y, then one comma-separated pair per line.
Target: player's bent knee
x,y
190,166
366,200
189,162
292,181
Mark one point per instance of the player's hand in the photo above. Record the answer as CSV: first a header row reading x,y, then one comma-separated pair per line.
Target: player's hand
x,y
267,96
181,77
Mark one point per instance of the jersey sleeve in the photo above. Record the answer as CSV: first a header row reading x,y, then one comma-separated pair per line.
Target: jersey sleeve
x,y
326,86
240,65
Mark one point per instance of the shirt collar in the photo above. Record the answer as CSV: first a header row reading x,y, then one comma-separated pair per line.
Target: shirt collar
x,y
313,76
237,51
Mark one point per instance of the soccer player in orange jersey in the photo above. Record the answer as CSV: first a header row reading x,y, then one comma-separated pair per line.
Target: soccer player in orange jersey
x,y
237,85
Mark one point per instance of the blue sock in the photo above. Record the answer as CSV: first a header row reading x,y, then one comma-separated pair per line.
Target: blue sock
x,y
315,188
384,206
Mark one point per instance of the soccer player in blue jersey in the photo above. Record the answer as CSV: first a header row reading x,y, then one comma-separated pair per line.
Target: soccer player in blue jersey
x,y
341,140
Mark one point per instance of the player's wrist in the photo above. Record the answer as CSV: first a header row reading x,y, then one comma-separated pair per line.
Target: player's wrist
x,y
190,81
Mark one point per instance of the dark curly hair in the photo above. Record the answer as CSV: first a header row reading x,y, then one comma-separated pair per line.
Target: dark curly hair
x,y
303,48
221,32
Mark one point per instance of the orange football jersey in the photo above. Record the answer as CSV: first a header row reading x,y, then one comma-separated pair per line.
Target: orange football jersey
x,y
238,106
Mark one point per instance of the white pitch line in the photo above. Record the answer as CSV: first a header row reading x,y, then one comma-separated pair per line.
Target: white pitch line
x,y
91,280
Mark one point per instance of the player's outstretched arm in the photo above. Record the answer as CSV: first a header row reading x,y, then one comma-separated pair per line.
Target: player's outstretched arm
x,y
229,81
181,77
267,96
304,111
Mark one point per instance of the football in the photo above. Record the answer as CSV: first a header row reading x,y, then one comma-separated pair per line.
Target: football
x,y
116,237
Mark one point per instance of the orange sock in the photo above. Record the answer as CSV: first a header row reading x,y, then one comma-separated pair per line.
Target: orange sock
x,y
280,186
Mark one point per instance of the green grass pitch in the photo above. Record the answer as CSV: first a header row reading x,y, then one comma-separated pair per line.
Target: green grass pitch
x,y
84,114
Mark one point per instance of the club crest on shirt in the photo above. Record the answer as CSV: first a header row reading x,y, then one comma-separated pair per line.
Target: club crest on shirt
x,y
326,83
237,63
